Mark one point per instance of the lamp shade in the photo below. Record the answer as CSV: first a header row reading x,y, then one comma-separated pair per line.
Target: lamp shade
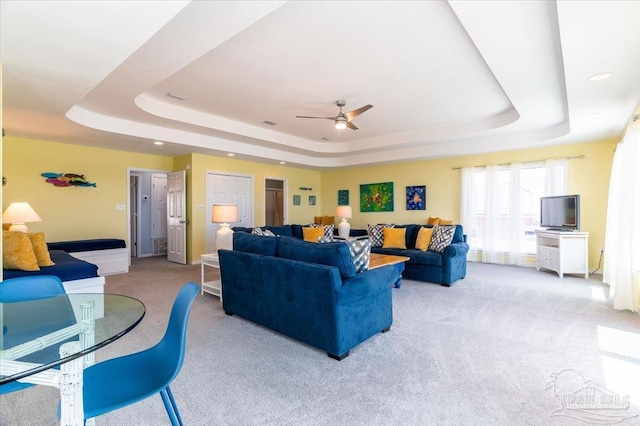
x,y
18,214
344,211
224,213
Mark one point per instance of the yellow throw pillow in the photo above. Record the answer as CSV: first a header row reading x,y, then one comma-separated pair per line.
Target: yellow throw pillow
x,y
17,252
40,249
424,238
312,234
394,238
317,220
328,220
445,222
433,221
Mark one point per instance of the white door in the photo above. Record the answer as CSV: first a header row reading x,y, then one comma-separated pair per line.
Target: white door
x,y
159,213
176,217
228,189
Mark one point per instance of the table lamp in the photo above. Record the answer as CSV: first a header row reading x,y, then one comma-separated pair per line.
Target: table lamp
x,y
343,227
17,214
224,214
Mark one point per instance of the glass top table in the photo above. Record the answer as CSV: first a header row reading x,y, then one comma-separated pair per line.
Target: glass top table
x,y
35,331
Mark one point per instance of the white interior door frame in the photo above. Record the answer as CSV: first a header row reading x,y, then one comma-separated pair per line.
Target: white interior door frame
x,y
134,171
285,198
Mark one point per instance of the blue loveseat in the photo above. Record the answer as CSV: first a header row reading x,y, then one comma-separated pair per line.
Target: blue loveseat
x,y
310,292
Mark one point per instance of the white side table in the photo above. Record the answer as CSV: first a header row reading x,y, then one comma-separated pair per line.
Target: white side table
x,y
212,287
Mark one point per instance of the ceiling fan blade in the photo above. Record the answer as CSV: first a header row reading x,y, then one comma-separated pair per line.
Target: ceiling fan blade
x,y
324,118
356,112
351,125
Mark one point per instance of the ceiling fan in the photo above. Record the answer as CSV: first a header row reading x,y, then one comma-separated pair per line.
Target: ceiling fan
x,y
343,120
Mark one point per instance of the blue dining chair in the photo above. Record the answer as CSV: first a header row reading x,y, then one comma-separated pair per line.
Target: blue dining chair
x,y
125,380
25,288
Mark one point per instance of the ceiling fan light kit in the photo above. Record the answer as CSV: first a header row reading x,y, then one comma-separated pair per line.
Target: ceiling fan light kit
x,y
342,120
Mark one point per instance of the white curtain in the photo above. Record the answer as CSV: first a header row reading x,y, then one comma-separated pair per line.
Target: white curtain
x,y
493,220
556,176
622,238
468,209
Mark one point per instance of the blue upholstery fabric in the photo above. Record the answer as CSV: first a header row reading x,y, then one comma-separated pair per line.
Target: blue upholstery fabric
x,y
307,300
251,243
337,255
284,231
87,245
445,268
66,267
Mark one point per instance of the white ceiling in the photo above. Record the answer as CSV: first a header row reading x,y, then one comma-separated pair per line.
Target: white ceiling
x,y
444,78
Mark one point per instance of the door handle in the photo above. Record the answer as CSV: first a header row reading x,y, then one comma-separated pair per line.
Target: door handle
x,y
186,221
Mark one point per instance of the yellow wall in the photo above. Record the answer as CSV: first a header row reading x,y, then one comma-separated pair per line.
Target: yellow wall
x,y
200,165
588,177
70,213
80,213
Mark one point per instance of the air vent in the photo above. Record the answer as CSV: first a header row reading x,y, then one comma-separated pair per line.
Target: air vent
x,y
325,139
270,123
177,96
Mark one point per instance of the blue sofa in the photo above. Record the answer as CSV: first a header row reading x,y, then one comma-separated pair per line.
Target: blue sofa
x,y
310,292
441,268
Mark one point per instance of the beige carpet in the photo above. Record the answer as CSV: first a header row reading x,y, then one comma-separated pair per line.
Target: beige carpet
x,y
479,353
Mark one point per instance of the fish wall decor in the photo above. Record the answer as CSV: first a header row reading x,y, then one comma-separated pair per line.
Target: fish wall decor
x,y
66,179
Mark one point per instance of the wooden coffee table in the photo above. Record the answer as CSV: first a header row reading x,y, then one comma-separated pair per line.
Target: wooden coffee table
x,y
377,260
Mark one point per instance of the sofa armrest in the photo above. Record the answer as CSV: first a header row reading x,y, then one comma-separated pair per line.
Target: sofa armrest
x,y
366,284
456,249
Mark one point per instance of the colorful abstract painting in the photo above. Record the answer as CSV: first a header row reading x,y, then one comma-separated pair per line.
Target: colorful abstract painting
x,y
376,197
343,197
416,198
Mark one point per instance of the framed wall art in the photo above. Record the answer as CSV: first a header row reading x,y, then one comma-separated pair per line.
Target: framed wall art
x,y
376,197
416,197
312,200
296,200
343,197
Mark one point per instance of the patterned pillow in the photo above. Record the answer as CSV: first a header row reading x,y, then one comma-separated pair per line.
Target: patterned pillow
x,y
442,237
263,232
359,249
376,234
328,229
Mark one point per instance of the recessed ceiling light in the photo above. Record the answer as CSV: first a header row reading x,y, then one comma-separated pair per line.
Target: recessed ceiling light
x,y
594,114
158,143
600,76
231,154
283,162
177,96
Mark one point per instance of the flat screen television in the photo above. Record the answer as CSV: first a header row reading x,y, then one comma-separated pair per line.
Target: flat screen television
x,y
560,212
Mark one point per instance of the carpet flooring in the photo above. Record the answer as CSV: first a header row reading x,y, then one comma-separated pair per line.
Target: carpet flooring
x,y
505,346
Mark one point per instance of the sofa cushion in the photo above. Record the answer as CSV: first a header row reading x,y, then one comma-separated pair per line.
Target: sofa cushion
x,y
433,220
312,235
376,234
324,220
424,238
331,254
360,250
40,249
327,229
250,243
458,236
17,252
262,232
442,237
283,231
411,235
394,238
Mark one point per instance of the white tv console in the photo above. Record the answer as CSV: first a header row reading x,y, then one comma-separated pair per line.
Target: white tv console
x,y
563,252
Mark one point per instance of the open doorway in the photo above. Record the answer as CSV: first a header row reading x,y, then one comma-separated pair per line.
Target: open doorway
x,y
275,197
147,213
